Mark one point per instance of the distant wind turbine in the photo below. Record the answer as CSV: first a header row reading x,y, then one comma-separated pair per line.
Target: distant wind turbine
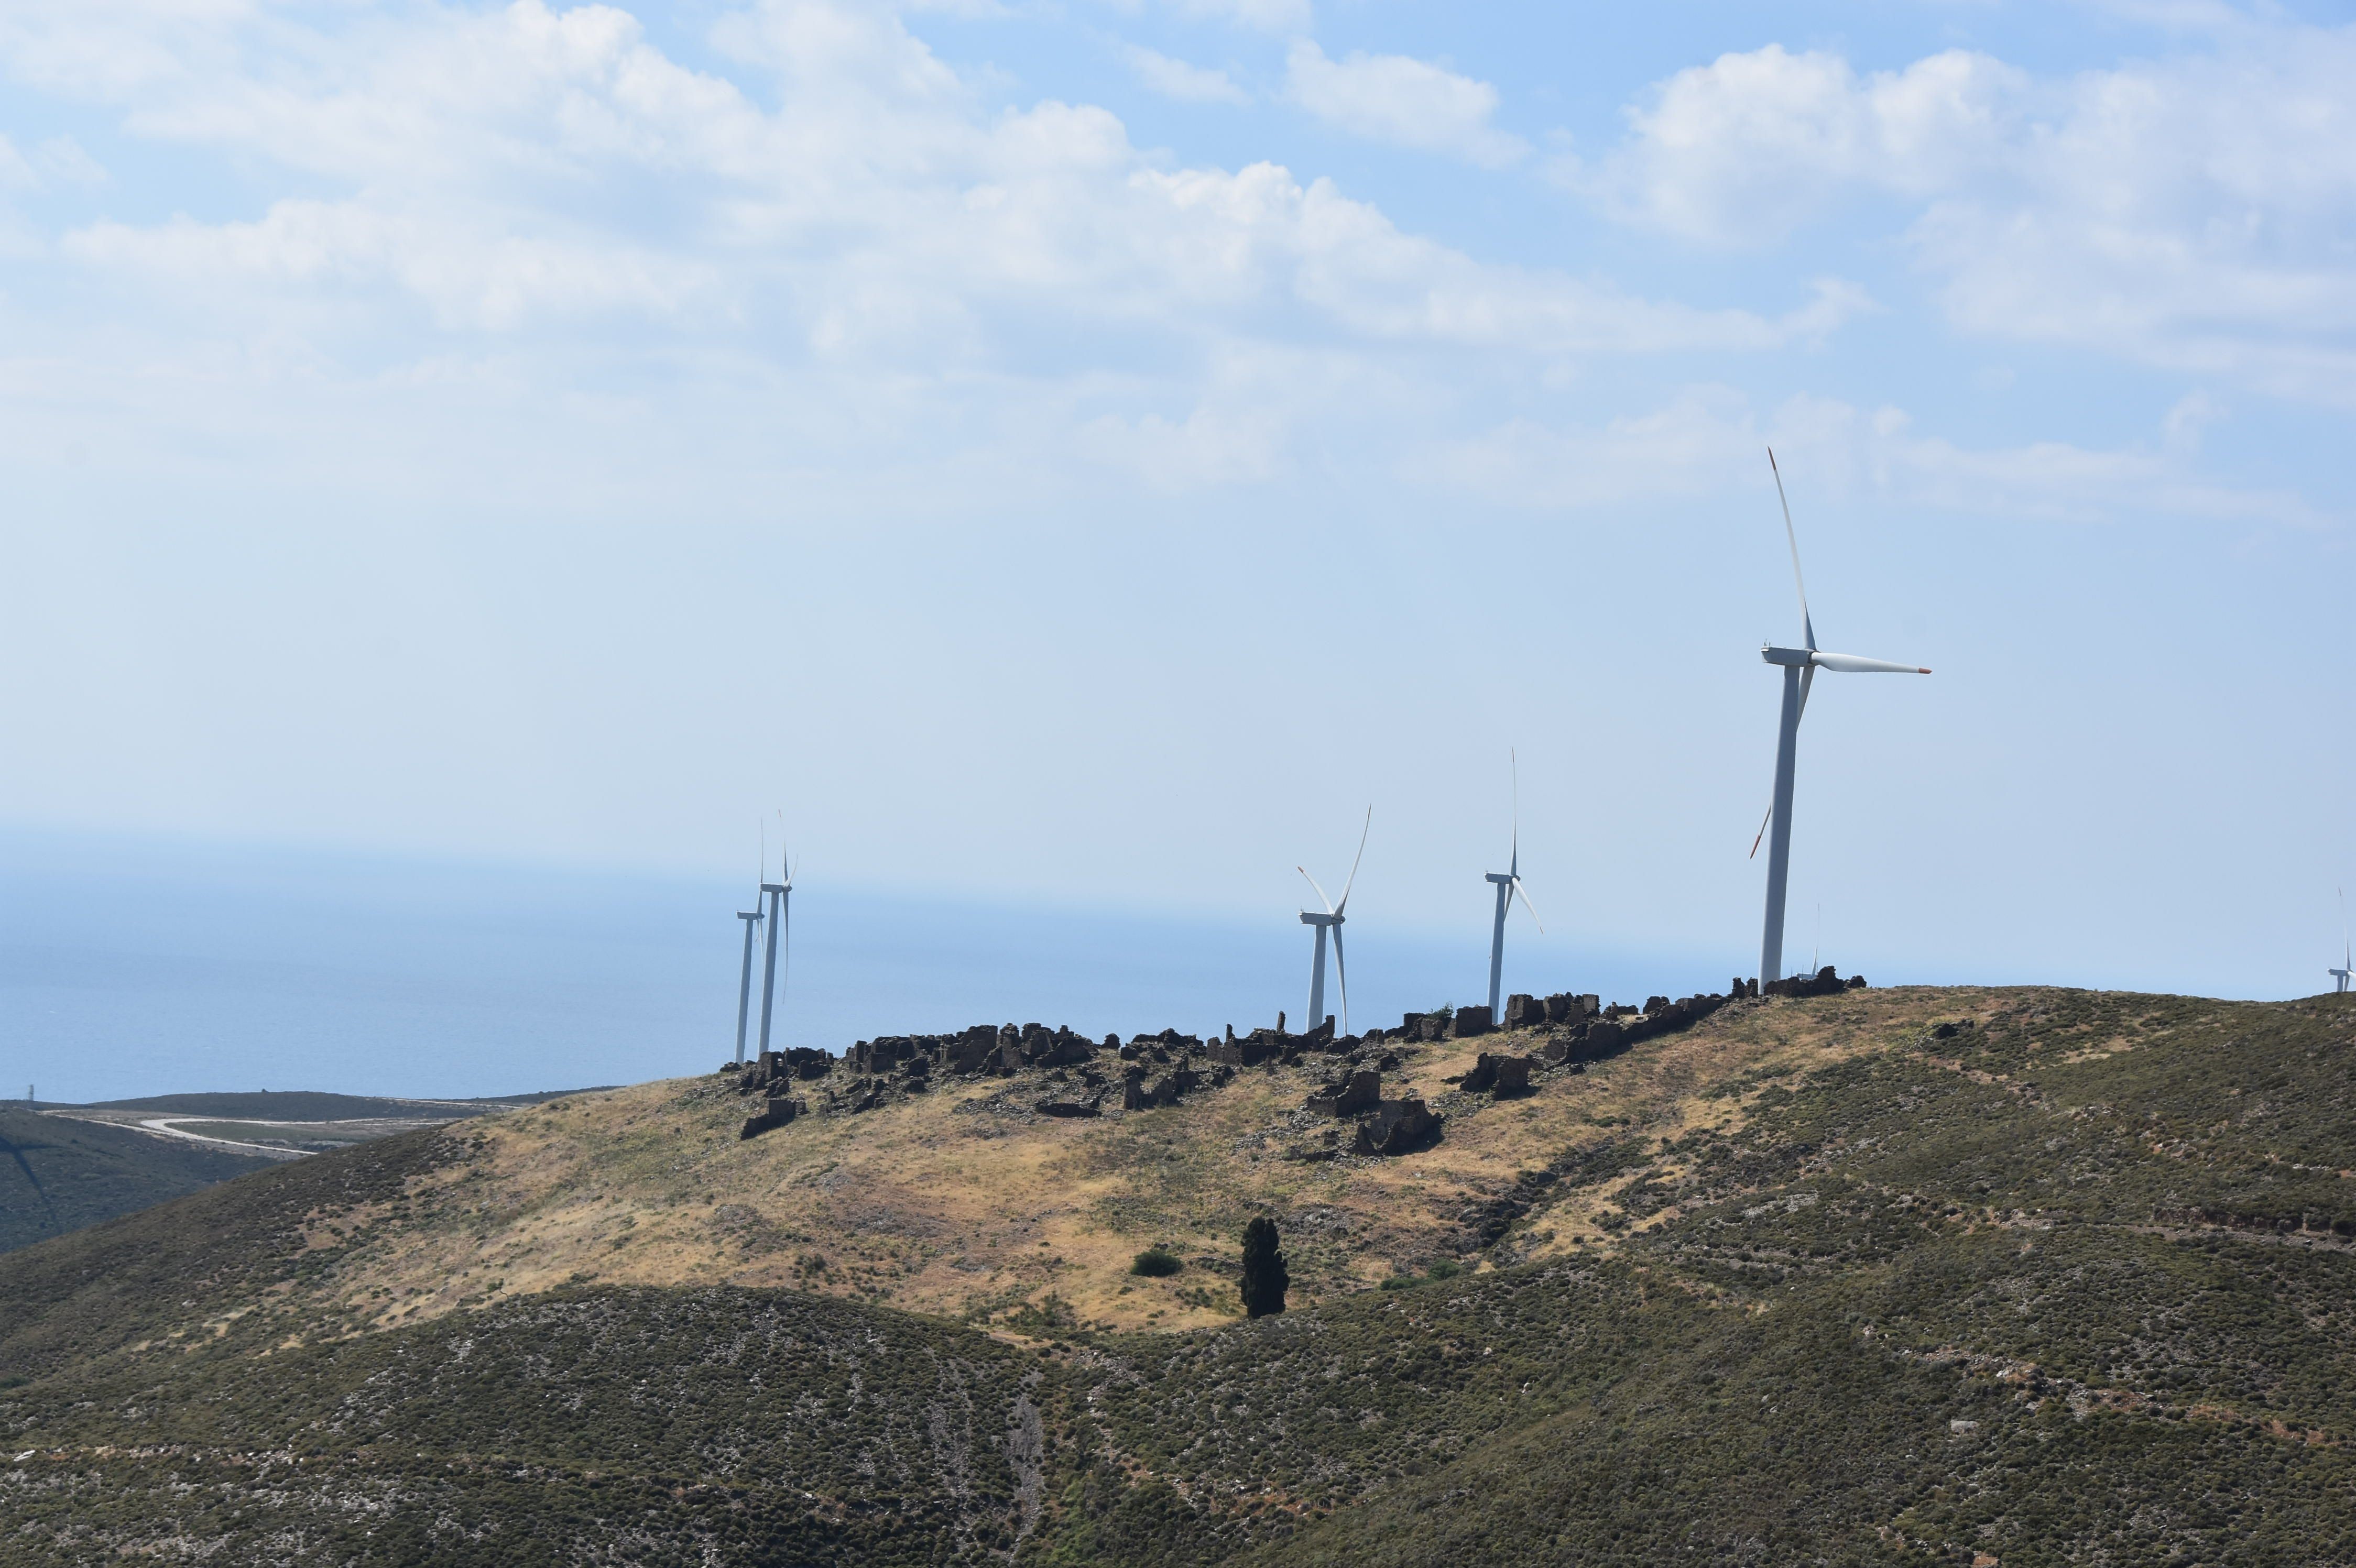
x,y
777,892
1509,887
745,982
1800,666
2341,975
1332,921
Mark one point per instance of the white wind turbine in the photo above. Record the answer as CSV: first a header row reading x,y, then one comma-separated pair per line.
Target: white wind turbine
x,y
777,893
750,918
1800,666
1332,921
1509,887
2341,976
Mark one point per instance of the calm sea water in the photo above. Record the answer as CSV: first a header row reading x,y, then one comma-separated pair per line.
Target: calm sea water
x,y
142,968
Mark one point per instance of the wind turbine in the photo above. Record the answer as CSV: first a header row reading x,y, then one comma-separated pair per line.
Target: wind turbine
x,y
1799,666
750,918
1509,887
744,981
1332,921
777,892
2341,975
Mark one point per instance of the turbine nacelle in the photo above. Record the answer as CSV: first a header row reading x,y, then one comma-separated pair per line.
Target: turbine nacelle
x,y
1841,664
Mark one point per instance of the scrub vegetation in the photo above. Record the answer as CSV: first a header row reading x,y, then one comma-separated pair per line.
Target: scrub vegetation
x,y
1951,1276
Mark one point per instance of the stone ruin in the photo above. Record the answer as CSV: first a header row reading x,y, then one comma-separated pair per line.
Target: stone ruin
x,y
1499,1075
781,1109
1160,1069
1823,983
1395,1126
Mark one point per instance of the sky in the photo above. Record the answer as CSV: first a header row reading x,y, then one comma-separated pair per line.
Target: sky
x,y
1080,456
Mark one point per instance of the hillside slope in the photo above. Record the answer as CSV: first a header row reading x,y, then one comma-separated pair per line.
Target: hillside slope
x,y
1939,1276
57,1175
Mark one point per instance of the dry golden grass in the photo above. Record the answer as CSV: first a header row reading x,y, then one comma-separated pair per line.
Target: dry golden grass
x,y
962,1202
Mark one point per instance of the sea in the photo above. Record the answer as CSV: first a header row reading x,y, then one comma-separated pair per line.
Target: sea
x,y
132,966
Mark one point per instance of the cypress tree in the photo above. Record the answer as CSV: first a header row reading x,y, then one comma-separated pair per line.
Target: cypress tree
x,y
1265,1278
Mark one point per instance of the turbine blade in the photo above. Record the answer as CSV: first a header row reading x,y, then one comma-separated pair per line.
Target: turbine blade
x,y
1763,830
1808,680
1353,882
1850,664
1320,891
1513,864
1525,897
1342,978
1807,627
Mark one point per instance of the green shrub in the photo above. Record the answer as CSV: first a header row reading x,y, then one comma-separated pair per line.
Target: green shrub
x,y
1156,1263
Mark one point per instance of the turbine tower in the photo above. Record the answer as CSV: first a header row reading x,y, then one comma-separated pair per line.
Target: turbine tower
x,y
2340,977
745,982
775,892
1332,919
1799,666
1509,887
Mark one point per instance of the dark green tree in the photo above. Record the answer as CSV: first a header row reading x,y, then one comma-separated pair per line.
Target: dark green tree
x,y
1265,1278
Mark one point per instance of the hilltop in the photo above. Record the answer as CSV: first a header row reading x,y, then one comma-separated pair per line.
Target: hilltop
x,y
1933,1275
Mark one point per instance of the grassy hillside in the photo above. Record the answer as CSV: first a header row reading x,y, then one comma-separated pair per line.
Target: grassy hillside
x,y
1931,1276
57,1176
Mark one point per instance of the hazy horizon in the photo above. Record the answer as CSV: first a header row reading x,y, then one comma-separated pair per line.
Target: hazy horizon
x,y
148,966
1078,459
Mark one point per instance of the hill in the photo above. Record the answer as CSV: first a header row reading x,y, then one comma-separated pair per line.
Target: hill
x,y
75,1164
312,1105
2022,1276
57,1175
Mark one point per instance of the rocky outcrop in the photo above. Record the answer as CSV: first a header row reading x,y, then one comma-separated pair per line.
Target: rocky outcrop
x,y
1470,1022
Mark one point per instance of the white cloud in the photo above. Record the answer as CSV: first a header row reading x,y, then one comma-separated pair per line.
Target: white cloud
x,y
1186,83
2188,213
494,167
1402,101
1748,147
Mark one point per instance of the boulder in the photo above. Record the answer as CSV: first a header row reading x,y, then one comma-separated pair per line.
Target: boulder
x,y
1470,1022
1524,1011
1089,1107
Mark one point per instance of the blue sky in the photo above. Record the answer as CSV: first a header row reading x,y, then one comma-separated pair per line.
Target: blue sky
x,y
1081,454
